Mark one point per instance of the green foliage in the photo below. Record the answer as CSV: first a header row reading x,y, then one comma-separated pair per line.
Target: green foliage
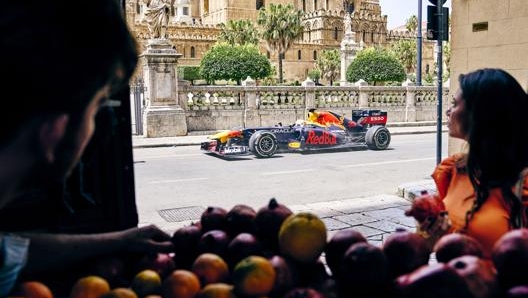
x,y
239,32
189,73
280,27
329,63
234,62
375,65
411,24
405,51
314,74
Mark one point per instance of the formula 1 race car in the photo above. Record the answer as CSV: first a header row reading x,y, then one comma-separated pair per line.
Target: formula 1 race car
x,y
323,130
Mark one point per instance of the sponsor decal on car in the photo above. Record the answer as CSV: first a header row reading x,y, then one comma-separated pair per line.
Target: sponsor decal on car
x,y
325,138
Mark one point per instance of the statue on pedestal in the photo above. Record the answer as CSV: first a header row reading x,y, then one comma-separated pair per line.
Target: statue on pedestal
x,y
157,15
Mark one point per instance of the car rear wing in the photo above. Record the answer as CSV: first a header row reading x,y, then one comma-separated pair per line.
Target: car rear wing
x,y
369,117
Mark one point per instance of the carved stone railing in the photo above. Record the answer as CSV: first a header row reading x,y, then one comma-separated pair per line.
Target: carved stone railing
x,y
210,108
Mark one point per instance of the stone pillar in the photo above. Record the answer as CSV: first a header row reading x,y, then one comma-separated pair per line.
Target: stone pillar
x,y
309,96
163,117
363,93
410,101
349,48
251,113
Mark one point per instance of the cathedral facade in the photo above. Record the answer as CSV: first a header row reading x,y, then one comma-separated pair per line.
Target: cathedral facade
x,y
195,24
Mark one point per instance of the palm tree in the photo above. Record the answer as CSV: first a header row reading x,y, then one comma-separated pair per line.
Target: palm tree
x,y
280,26
329,63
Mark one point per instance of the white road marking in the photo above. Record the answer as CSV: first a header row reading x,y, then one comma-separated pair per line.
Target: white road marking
x,y
164,156
287,172
387,162
177,180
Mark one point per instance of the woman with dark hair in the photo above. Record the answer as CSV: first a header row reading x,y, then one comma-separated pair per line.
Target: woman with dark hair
x,y
485,190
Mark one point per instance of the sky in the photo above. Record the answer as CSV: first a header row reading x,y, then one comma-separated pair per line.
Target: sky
x,y
398,11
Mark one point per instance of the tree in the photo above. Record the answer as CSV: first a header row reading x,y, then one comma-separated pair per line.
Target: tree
x,y
329,63
239,32
405,51
375,65
280,27
315,75
234,62
411,24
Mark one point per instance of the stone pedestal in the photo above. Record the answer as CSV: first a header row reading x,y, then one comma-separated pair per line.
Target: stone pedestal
x,y
349,48
163,116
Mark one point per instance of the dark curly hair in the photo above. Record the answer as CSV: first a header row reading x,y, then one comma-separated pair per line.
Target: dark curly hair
x,y
497,133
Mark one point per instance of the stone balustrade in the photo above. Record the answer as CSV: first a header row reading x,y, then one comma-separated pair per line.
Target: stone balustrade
x,y
209,108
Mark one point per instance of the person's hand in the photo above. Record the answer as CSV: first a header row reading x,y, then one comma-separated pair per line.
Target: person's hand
x,y
147,239
433,228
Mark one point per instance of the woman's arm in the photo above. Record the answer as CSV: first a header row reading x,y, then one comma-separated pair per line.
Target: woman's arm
x,y
60,250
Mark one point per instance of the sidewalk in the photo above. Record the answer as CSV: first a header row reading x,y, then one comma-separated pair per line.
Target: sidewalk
x,y
195,138
375,217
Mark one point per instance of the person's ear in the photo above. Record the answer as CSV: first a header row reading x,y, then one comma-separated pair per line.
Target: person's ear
x,y
51,134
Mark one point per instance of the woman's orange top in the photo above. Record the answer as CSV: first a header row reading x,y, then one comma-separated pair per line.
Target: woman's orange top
x,y
490,222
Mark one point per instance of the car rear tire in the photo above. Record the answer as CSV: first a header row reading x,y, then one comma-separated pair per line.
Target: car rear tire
x,y
377,138
263,144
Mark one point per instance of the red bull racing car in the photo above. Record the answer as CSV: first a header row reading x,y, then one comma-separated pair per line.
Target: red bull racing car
x,y
323,130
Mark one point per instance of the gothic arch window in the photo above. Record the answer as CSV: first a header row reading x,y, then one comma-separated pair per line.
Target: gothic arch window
x,y
304,5
259,4
268,54
315,55
193,52
299,55
315,4
335,33
206,6
372,37
326,6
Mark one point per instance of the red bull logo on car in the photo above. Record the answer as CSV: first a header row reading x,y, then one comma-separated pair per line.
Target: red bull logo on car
x,y
325,138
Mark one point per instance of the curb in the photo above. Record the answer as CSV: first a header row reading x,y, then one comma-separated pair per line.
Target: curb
x,y
194,143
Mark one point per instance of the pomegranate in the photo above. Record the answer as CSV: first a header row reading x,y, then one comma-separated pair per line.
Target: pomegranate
x,y
424,206
510,257
240,219
242,246
185,240
287,276
405,251
337,246
363,272
479,275
432,281
268,221
455,245
213,218
215,242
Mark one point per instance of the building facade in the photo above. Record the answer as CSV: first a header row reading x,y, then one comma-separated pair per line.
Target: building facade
x,y
194,25
490,33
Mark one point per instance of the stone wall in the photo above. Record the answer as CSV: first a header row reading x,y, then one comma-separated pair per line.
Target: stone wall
x,y
209,108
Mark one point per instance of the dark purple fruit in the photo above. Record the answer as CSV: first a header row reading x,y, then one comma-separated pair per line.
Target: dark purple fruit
x,y
337,246
405,251
267,223
213,218
454,245
240,219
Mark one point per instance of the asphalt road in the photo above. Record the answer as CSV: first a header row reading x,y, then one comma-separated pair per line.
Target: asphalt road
x,y
179,177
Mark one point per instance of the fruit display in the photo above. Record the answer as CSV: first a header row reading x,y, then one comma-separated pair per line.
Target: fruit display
x,y
294,257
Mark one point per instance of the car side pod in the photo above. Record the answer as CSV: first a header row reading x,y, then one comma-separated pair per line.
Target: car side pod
x,y
377,137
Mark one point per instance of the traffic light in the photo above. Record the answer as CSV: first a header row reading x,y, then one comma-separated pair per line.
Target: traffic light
x,y
432,23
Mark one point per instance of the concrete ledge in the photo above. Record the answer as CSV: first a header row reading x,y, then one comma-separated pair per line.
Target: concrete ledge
x,y
411,190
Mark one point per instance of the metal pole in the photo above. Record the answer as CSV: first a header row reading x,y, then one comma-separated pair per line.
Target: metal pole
x,y
439,80
419,46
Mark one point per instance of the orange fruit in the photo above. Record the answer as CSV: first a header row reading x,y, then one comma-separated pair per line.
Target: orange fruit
x,y
216,290
32,289
302,237
210,268
253,276
146,282
120,293
91,286
180,284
